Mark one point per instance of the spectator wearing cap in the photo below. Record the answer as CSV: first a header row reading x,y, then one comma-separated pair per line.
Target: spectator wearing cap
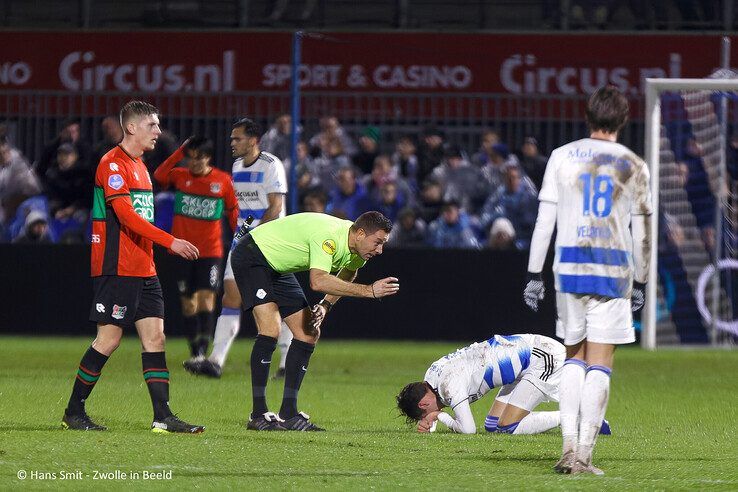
x,y
489,139
461,182
277,139
501,235
494,170
35,231
430,152
453,229
69,185
409,230
516,203
368,149
533,163
17,181
348,197
405,161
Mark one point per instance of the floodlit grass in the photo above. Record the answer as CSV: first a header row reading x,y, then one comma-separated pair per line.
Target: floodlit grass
x,y
674,416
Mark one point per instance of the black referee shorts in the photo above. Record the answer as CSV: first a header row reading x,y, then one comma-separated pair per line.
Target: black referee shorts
x,y
122,301
259,284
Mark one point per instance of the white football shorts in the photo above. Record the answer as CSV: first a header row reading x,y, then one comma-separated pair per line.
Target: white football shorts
x,y
594,318
540,381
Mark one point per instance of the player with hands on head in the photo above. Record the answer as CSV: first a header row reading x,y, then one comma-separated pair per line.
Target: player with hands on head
x,y
526,368
203,195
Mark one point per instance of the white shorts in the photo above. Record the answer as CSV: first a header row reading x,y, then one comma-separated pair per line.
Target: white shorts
x,y
597,319
228,274
540,381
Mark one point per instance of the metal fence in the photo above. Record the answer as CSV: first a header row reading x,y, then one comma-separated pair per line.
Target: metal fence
x,y
34,118
535,15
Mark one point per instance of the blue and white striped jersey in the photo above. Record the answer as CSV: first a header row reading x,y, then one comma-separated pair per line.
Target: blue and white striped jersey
x,y
596,185
254,182
471,372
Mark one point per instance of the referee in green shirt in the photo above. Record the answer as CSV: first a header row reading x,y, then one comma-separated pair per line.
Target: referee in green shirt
x,y
264,262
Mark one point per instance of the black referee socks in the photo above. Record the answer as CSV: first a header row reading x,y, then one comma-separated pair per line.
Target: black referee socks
x,y
87,375
261,359
298,359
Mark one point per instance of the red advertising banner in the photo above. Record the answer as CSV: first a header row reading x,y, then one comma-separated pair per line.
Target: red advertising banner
x,y
181,62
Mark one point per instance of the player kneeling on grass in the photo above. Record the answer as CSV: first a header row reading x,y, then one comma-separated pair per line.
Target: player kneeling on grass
x,y
264,262
526,368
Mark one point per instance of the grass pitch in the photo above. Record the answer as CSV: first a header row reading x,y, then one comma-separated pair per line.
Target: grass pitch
x,y
674,416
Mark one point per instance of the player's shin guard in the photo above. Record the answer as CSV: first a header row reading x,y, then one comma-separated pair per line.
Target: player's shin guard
x,y
226,329
156,375
283,342
595,394
191,328
87,375
298,358
261,359
570,395
205,331
537,422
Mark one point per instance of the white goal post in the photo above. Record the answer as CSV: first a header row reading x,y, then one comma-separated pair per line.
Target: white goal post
x,y
655,143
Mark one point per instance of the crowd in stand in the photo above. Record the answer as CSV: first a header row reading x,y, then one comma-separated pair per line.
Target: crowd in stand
x,y
439,194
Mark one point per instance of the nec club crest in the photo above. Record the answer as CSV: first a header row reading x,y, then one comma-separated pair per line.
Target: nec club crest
x,y
214,187
119,312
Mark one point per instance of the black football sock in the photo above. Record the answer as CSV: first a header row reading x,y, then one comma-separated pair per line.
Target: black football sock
x,y
156,375
261,359
206,328
191,329
87,375
298,358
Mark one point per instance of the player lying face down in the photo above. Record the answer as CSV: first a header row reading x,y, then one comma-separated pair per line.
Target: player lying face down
x,y
526,368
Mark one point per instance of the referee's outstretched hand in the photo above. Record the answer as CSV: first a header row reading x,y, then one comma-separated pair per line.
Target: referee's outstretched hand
x,y
185,249
386,287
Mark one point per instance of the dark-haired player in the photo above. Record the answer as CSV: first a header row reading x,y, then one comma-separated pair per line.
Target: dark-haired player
x,y
264,262
596,193
260,184
526,368
203,195
127,292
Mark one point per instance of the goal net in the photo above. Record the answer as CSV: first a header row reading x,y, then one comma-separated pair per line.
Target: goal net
x,y
692,151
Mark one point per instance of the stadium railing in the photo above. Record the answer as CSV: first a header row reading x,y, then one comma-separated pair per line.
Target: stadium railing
x,y
34,118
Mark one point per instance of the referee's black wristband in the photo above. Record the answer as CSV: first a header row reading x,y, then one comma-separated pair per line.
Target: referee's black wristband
x,y
328,305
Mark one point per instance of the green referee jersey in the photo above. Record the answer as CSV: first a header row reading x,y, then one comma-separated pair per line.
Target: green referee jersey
x,y
299,242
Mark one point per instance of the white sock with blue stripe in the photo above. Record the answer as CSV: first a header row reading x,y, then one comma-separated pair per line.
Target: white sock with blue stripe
x,y
570,395
490,423
595,394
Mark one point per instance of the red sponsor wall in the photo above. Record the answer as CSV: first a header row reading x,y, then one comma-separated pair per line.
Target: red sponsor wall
x,y
177,62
